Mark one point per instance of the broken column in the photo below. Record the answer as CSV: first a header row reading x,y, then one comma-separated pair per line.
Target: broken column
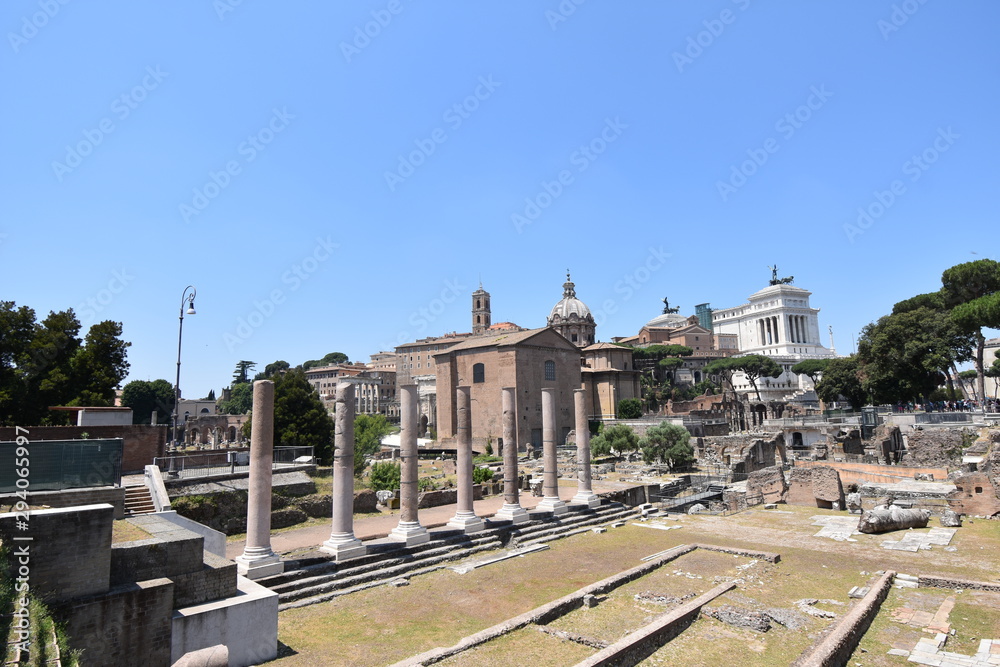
x,y
409,529
511,510
550,471
258,560
465,516
342,543
584,494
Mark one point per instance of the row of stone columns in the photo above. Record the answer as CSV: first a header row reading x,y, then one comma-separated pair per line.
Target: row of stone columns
x,y
258,560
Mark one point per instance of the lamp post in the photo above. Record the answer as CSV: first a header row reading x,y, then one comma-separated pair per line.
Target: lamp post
x,y
189,299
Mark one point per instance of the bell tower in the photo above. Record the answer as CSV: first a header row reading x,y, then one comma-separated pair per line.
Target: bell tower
x,y
480,311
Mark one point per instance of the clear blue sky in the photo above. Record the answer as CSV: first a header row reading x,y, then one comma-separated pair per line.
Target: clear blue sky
x,y
637,117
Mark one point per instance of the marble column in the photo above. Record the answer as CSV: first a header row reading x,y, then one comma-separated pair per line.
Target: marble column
x,y
465,515
409,529
258,560
550,470
584,494
511,510
342,543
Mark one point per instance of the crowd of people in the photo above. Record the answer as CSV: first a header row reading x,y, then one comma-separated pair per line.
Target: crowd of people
x,y
962,405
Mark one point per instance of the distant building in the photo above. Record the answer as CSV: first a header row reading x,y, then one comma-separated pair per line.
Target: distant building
x,y
571,317
609,375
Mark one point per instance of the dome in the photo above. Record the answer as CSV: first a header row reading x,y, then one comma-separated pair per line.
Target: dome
x,y
668,321
569,305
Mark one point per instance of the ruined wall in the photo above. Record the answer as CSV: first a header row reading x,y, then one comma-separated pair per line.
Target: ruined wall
x,y
742,453
815,486
860,473
975,495
769,483
939,447
142,442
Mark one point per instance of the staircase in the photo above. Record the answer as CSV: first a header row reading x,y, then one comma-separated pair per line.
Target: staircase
x,y
313,580
138,501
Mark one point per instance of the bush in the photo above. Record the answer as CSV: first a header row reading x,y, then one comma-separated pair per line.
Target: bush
x,y
629,408
620,438
426,484
385,476
481,475
668,443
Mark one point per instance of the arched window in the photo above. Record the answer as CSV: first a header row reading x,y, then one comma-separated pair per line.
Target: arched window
x,y
478,373
550,370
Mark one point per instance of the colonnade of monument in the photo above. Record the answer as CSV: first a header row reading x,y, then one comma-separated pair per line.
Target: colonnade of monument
x,y
258,559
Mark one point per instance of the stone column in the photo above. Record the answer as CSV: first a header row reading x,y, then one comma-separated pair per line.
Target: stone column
x,y
342,543
409,529
511,510
258,560
584,494
550,471
465,515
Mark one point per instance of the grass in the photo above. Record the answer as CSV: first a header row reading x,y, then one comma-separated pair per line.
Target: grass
x,y
124,530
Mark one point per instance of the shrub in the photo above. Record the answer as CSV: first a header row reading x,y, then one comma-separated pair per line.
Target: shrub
x,y
481,475
385,476
620,438
426,484
629,408
668,443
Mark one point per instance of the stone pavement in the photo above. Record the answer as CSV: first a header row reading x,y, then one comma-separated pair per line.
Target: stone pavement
x,y
839,528
914,541
929,652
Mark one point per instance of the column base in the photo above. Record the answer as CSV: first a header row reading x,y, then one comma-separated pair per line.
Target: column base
x,y
467,522
344,547
513,513
259,563
553,504
410,533
588,499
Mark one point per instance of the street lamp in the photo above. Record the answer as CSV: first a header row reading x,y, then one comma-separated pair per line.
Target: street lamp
x,y
189,299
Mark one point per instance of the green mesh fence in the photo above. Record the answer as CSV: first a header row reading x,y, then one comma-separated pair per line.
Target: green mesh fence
x,y
60,464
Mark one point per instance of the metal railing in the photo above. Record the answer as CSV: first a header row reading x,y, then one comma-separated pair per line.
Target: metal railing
x,y
216,463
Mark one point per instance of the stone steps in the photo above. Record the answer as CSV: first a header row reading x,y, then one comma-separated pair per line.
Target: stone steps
x,y
138,501
318,580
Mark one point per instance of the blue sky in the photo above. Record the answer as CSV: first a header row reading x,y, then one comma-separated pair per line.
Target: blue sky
x,y
339,176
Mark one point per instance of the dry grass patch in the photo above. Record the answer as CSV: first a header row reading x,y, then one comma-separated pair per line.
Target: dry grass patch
x,y
527,646
124,530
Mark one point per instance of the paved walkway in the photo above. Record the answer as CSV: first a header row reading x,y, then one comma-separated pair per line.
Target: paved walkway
x,y
375,527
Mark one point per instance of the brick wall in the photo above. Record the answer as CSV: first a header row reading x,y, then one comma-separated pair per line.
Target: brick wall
x,y
216,579
112,495
858,473
142,443
129,625
70,550
146,559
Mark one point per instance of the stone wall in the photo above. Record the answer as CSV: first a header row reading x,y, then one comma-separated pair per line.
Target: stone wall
x,y
70,550
860,473
112,495
933,447
128,625
769,483
975,495
815,486
142,442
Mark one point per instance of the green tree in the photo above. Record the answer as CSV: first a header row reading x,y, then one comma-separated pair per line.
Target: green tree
x,y
385,476
755,366
368,433
47,370
331,359
811,367
629,408
618,438
272,369
481,475
842,378
144,397
723,369
211,395
972,291
100,365
17,325
242,373
240,400
300,419
668,443
668,366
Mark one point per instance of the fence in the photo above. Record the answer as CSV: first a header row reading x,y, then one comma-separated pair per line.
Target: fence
x,y
210,464
53,465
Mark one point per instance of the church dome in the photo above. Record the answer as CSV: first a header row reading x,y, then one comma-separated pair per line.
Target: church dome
x,y
569,305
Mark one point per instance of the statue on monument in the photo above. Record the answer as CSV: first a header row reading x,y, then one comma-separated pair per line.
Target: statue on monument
x,y
775,280
667,310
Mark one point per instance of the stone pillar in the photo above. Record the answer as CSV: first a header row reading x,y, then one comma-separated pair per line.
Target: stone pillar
x,y
409,529
258,560
584,494
465,515
342,543
511,510
550,471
